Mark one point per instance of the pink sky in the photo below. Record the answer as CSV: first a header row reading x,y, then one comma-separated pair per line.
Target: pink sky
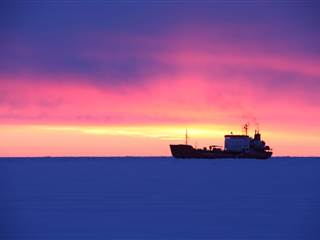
x,y
120,90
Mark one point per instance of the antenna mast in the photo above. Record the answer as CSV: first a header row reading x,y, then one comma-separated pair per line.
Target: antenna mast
x,y
186,136
245,128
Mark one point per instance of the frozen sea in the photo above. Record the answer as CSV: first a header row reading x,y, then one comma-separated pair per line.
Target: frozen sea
x,y
159,198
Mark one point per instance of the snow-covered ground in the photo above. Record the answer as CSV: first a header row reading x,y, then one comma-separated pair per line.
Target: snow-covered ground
x,y
159,198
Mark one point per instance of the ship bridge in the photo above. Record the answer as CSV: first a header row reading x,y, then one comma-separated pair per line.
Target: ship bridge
x,y
236,143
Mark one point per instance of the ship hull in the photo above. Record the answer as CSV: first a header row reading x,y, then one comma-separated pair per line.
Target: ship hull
x,y
187,151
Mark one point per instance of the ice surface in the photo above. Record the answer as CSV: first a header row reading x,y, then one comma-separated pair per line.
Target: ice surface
x,y
159,198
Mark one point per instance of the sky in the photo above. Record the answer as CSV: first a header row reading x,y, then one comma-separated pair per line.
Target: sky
x,y
126,78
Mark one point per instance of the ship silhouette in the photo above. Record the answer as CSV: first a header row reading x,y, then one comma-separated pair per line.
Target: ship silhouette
x,y
235,146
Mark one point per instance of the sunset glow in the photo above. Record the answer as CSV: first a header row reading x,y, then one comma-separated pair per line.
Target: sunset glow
x,y
104,80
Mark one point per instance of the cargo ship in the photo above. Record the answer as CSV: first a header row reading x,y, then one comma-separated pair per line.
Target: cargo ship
x,y
235,146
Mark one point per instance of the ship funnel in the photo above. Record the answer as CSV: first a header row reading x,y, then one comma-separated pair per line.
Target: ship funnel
x,y
257,135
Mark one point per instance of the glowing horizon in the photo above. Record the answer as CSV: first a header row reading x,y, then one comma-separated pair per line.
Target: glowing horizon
x,y
59,140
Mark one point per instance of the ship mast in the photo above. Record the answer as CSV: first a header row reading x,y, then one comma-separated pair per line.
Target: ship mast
x,y
245,128
187,136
